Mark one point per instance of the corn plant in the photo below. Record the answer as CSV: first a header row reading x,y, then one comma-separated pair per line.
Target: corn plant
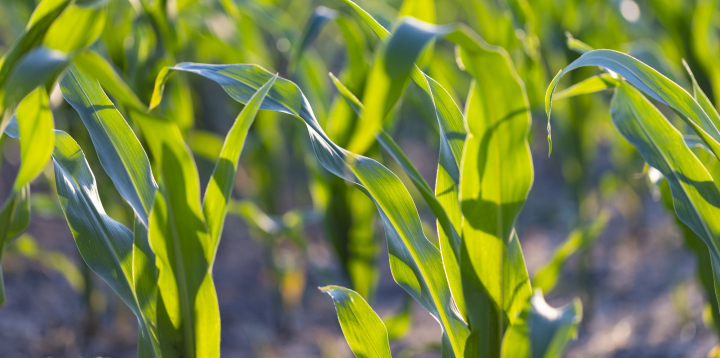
x,y
682,157
474,283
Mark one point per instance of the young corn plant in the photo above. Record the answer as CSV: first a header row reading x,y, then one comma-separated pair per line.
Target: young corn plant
x,y
683,164
475,284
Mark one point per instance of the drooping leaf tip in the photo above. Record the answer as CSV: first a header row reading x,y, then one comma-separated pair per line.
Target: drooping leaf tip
x,y
157,94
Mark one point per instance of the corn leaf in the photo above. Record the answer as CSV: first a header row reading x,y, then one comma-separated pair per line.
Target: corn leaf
x,y
39,67
77,27
95,66
653,84
390,75
188,313
222,181
593,84
105,245
542,331
496,176
415,262
119,150
35,126
40,21
364,331
696,198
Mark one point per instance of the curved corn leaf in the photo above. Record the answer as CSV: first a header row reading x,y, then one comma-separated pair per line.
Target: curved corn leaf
x,y
39,67
188,313
593,84
580,238
363,329
701,98
653,84
416,264
35,126
105,245
94,65
496,176
542,331
222,181
40,21
119,150
695,243
696,198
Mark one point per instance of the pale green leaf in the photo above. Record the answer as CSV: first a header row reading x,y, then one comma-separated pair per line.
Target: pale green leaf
x,y
35,122
495,177
78,27
188,313
363,329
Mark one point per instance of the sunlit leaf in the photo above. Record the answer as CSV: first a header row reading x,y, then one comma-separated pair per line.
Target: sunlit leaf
x,y
363,329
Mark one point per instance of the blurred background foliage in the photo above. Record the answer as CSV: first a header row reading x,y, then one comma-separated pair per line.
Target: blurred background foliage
x,y
309,228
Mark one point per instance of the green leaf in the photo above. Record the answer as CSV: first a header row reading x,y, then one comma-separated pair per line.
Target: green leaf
x,y
105,245
577,45
35,122
696,197
39,67
415,262
542,331
43,16
97,67
580,238
78,27
653,84
593,84
188,313
495,177
221,183
119,150
363,329
393,64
